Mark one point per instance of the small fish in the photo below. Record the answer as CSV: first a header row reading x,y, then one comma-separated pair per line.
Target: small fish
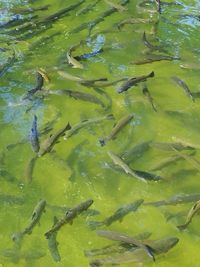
x,y
49,143
116,6
118,215
168,146
11,199
133,82
117,128
147,176
127,240
118,161
34,136
149,97
87,9
194,162
53,244
184,86
154,58
35,218
75,129
165,162
133,21
70,215
72,61
39,85
150,46
175,200
195,208
29,169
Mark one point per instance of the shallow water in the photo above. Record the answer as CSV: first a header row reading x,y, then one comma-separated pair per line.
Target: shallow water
x,y
79,168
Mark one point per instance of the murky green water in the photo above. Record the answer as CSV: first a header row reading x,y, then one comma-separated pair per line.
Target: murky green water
x,y
79,168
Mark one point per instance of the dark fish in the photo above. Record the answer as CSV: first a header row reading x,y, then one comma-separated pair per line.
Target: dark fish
x,y
134,21
154,58
149,97
39,85
7,176
150,46
35,218
53,244
166,162
147,175
7,65
133,82
127,240
34,136
168,146
29,10
69,216
89,55
175,200
192,212
118,215
87,8
117,128
49,143
184,86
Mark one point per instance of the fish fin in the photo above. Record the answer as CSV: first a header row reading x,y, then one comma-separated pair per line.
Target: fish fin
x,y
69,126
110,116
102,142
152,74
84,120
33,215
182,226
150,252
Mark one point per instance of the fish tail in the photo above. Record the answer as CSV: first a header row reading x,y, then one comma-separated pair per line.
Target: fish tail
x,y
93,224
110,117
152,74
182,226
150,252
102,142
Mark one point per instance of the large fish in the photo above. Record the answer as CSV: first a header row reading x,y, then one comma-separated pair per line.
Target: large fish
x,y
133,82
192,212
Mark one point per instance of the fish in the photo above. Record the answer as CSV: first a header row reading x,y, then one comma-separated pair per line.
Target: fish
x,y
175,200
76,95
29,10
70,215
133,21
183,85
150,46
116,248
34,136
29,169
194,162
165,162
118,215
53,244
75,129
133,82
49,143
154,58
44,74
149,97
168,146
118,161
91,24
117,128
192,212
38,87
89,55
71,60
127,240
135,152
36,215
147,176
139,255
116,6
159,5
11,199
7,175
87,8
5,67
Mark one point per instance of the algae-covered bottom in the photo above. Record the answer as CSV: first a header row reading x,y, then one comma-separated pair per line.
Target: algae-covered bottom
x,y
99,133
